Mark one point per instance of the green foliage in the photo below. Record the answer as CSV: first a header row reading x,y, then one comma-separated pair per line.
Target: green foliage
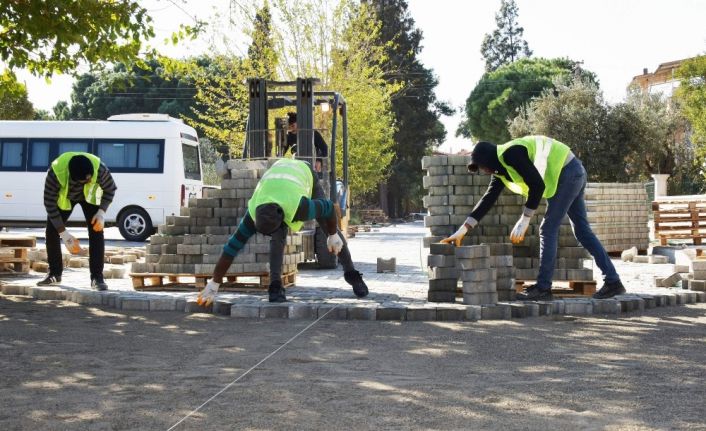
x,y
14,104
500,94
50,36
625,142
692,97
415,107
505,45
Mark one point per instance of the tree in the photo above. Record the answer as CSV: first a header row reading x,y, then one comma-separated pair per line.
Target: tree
x,y
262,56
415,106
505,45
54,36
691,95
500,94
14,103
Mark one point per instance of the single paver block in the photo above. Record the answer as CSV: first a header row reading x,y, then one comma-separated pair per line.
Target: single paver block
x,y
578,306
245,311
88,297
444,249
387,265
302,311
436,260
496,311
162,304
222,307
545,308
390,312
193,307
558,306
10,289
450,313
332,312
135,304
480,298
47,293
274,311
443,285
519,310
362,312
478,275
700,296
471,251
441,296
606,306
672,280
648,300
421,313
109,299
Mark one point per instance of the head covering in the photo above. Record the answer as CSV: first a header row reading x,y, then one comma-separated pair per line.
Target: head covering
x,y
80,167
292,117
268,218
484,155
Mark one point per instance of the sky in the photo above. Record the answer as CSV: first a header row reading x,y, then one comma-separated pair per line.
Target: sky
x,y
615,39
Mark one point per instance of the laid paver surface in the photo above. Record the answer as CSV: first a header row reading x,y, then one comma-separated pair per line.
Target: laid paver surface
x,y
84,368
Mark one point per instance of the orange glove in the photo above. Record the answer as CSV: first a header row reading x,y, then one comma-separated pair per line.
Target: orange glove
x,y
98,221
457,237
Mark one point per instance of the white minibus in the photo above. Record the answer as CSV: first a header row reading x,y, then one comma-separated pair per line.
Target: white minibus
x,y
154,159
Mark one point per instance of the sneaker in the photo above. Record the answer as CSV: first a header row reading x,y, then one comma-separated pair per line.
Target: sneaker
x,y
99,284
609,290
355,279
276,292
534,293
50,280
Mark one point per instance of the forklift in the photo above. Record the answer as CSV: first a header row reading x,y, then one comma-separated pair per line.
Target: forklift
x,y
260,143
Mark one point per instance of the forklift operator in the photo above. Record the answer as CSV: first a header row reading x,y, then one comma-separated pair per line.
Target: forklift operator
x,y
319,144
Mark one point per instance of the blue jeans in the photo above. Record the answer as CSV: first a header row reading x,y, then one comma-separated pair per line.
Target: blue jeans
x,y
568,200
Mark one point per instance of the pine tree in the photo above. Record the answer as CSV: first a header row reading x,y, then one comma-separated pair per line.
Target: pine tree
x,y
505,45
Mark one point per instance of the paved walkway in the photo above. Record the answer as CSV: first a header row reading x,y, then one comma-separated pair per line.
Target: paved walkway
x,y
393,296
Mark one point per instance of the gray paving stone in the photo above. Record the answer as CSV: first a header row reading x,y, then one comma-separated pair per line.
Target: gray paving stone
x,y
88,297
421,313
46,293
441,297
629,303
581,307
193,307
671,299
449,313
545,308
332,312
480,298
162,304
606,306
362,312
11,289
390,312
180,304
473,313
132,303
222,307
274,310
558,306
298,310
648,300
109,299
496,312
700,296
660,300
519,310
245,311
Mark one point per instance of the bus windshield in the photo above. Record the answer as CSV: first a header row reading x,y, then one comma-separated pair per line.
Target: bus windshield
x,y
192,164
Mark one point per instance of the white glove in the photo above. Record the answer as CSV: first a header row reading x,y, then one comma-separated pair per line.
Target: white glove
x,y
71,242
457,237
208,294
98,220
334,243
518,232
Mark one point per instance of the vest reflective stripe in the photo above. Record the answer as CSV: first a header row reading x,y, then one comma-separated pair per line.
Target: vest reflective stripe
x,y
284,184
547,155
91,191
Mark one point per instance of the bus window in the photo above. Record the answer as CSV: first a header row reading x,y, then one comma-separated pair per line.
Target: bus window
x,y
131,155
38,155
192,165
12,155
79,146
149,156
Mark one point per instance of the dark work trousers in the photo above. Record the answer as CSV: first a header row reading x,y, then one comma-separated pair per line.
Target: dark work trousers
x,y
96,244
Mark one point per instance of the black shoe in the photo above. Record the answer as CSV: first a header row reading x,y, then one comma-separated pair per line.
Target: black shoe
x,y
50,280
609,290
355,279
99,284
534,293
276,292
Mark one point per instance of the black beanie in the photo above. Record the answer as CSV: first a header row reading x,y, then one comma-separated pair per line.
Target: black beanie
x,y
80,167
268,218
485,155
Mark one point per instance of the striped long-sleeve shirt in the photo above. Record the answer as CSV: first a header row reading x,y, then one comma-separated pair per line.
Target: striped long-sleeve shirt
x,y
309,209
51,193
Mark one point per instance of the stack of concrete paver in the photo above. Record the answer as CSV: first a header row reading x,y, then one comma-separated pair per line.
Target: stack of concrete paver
x,y
619,213
478,279
443,275
502,262
452,193
192,242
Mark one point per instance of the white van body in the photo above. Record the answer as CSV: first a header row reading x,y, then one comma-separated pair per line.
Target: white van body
x,y
153,158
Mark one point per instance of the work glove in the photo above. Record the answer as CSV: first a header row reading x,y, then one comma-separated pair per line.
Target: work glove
x,y
71,242
334,243
208,294
98,221
518,232
457,237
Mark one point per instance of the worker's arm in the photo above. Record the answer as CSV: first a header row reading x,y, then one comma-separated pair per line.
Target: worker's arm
x,y
517,157
486,202
236,242
106,183
320,209
51,197
320,145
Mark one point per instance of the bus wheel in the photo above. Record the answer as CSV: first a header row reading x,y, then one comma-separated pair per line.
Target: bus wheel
x,y
135,224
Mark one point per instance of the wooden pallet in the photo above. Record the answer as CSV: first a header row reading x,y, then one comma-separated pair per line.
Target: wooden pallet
x,y
565,289
186,282
17,241
676,219
14,260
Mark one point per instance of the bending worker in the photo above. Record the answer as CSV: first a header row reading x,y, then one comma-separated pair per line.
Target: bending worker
x,y
536,167
77,178
281,201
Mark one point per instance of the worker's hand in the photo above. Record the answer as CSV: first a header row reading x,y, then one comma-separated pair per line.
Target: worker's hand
x,y
98,221
71,242
518,232
208,294
457,237
334,243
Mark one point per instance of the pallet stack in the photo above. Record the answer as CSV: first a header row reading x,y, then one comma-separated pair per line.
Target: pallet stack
x,y
478,279
443,275
14,253
619,215
191,243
